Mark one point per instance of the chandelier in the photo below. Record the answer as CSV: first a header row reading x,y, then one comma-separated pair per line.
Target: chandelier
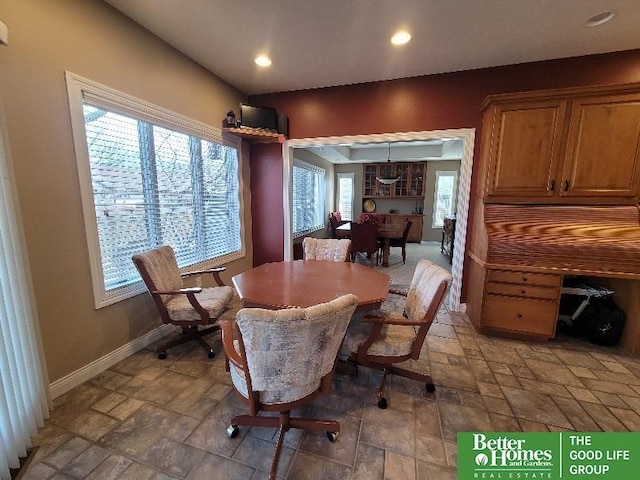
x,y
388,180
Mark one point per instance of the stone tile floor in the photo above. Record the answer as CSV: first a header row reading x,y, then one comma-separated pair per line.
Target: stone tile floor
x,y
146,418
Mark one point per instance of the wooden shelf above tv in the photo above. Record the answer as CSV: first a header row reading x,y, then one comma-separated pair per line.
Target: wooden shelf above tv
x,y
255,135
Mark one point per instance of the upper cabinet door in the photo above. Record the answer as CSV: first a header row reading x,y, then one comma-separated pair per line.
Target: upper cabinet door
x,y
526,149
603,148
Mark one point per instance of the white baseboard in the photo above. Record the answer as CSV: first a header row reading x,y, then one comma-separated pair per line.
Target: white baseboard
x,y
63,385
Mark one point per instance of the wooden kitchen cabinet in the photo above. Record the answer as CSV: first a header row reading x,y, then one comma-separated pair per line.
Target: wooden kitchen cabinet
x,y
564,147
410,184
603,148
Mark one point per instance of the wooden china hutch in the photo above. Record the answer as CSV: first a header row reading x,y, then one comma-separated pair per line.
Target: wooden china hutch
x,y
410,186
558,191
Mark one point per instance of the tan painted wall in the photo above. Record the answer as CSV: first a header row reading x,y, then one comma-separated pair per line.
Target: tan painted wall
x,y
93,40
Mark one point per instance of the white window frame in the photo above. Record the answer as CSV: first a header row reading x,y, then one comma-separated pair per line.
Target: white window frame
x,y
352,176
79,89
444,173
321,220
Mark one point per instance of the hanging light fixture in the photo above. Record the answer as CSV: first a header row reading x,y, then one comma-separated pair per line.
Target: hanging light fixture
x,y
388,180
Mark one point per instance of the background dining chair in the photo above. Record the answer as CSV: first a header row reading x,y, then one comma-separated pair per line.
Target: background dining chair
x,y
402,241
364,239
188,308
335,220
282,359
330,249
382,341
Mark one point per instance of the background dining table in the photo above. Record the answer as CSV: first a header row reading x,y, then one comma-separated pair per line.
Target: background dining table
x,y
386,231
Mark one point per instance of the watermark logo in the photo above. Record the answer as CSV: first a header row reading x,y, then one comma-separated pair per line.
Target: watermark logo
x,y
482,459
548,455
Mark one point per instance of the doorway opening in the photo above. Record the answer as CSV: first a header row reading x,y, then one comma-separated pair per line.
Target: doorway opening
x,y
467,135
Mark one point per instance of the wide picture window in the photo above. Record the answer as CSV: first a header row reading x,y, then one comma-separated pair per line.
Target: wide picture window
x,y
148,178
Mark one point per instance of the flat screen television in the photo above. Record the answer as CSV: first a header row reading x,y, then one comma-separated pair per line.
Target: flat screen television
x,y
264,118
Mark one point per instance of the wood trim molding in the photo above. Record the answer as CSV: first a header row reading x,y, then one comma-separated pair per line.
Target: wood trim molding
x,y
66,383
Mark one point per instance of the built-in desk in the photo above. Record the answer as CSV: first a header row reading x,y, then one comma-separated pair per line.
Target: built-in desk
x,y
516,268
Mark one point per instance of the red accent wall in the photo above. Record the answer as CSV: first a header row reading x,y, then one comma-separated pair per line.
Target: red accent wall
x,y
266,202
431,102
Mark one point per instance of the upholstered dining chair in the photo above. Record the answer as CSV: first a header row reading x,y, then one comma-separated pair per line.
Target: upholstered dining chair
x,y
282,359
381,341
330,249
364,239
189,308
335,220
402,241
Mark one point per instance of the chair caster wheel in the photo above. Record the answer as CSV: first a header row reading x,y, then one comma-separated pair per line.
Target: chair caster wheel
x,y
382,403
211,354
430,387
232,431
333,436
162,355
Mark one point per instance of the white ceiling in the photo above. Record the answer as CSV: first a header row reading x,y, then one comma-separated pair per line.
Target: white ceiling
x,y
321,43
417,151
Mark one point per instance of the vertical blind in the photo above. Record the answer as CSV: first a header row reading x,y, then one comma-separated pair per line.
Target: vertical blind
x,y
308,197
153,185
23,382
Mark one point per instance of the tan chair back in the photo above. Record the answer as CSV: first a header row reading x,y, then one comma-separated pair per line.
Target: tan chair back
x,y
331,249
289,352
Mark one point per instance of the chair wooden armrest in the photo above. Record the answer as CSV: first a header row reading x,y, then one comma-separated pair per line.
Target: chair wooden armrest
x,y
386,320
228,335
374,333
213,271
177,292
190,292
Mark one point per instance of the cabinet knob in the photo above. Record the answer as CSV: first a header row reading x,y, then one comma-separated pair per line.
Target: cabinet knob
x,y
551,185
524,279
523,292
519,315
565,185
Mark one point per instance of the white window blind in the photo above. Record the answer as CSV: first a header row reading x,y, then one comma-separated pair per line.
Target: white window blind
x,y
308,197
346,195
153,182
444,200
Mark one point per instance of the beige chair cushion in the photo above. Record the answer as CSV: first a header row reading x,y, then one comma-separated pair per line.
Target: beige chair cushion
x,y
162,268
331,249
214,299
289,351
394,340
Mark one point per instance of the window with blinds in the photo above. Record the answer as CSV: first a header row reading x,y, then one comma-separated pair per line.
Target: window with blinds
x,y
308,198
151,184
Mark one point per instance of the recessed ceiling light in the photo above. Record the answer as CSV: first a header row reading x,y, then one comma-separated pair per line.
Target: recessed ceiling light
x,y
263,61
600,19
400,38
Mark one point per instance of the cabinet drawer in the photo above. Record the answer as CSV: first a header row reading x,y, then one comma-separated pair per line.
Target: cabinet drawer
x,y
525,278
524,290
520,315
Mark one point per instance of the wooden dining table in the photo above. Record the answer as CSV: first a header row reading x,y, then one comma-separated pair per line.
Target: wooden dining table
x,y
386,232
303,283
